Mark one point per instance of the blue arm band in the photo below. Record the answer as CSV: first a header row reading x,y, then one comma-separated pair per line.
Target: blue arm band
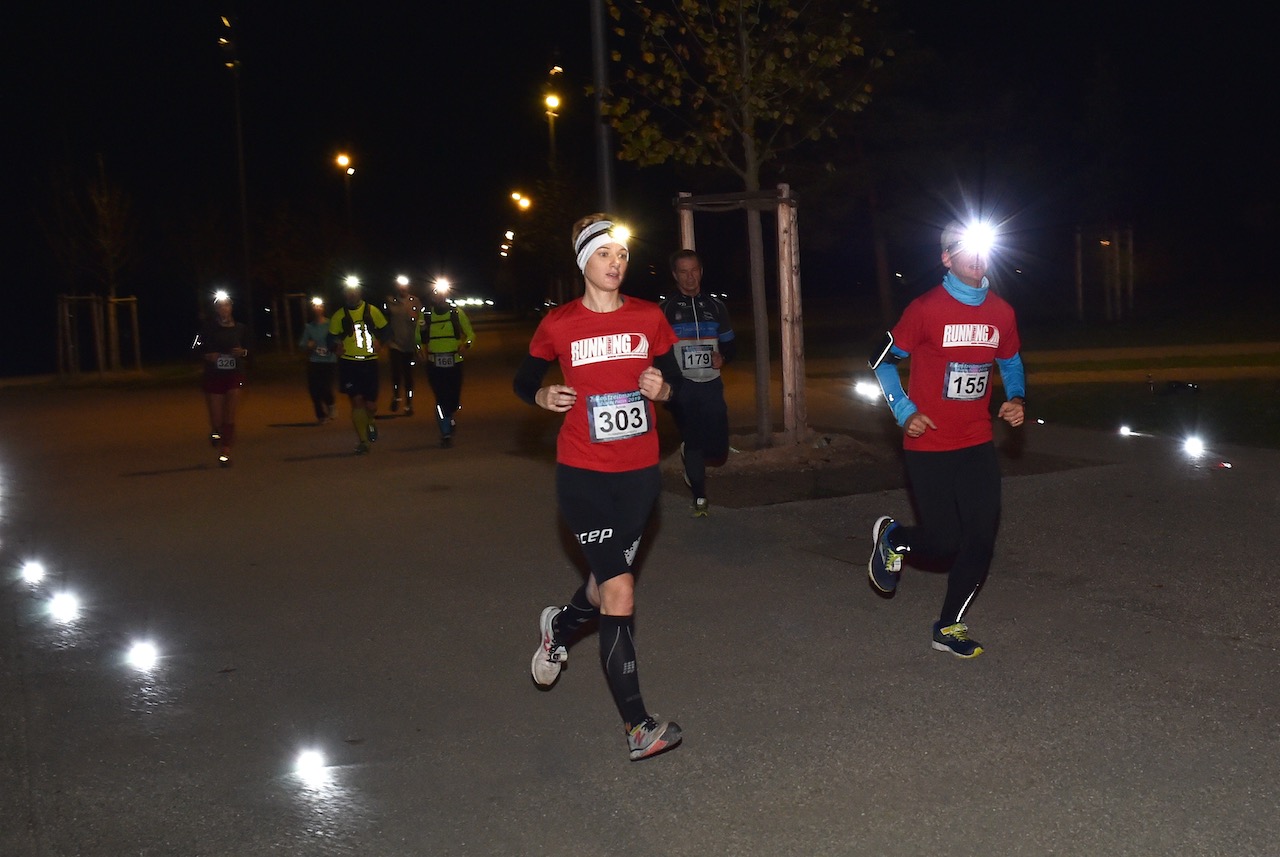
x,y
1013,376
891,386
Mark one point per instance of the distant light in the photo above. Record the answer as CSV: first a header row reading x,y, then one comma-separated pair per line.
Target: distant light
x,y
488,303
343,161
1040,422
317,301
1125,431
143,656
1225,465
402,280
310,767
552,101
509,235
33,571
867,390
64,607
1193,446
524,202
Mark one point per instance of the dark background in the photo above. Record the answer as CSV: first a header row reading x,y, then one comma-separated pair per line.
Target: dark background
x,y
1048,116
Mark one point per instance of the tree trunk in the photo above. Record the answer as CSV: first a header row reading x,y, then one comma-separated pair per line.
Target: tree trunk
x,y
759,318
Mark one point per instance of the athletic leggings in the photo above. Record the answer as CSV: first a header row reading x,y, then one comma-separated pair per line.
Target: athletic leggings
x,y
957,495
402,374
608,513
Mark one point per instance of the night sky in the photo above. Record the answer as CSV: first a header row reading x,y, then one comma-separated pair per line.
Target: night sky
x,y
439,103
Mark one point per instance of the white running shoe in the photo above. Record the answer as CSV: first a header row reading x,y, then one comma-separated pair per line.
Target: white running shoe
x,y
550,656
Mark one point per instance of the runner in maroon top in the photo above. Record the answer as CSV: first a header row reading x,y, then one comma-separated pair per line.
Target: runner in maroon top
x,y
615,356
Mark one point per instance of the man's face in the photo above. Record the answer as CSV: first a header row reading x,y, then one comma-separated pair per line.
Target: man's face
x,y
968,266
688,275
351,297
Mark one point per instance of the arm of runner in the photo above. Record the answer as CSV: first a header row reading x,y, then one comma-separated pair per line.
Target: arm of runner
x,y
527,385
891,386
671,374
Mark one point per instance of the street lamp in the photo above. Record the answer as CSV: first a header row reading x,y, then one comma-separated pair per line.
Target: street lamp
x,y
344,163
552,101
522,202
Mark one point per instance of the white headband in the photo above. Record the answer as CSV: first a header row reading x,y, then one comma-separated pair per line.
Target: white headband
x,y
593,238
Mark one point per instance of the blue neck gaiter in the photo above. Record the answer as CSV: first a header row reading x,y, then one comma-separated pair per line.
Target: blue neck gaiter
x,y
963,292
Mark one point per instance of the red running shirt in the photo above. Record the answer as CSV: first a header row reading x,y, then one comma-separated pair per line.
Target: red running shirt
x,y
611,427
953,348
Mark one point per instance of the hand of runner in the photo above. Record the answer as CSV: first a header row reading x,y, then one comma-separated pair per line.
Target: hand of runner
x,y
652,384
556,397
918,424
1012,413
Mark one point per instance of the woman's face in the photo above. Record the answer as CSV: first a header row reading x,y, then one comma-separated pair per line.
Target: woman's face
x,y
607,267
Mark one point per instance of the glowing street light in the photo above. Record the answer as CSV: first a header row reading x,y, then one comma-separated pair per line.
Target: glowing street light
x,y
552,102
343,160
522,202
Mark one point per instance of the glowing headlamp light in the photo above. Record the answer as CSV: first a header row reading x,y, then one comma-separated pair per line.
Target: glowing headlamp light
x,y
620,234
220,295
317,301
977,238
441,286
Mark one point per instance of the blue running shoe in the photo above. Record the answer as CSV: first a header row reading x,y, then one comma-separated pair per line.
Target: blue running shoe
x,y
885,565
955,639
373,432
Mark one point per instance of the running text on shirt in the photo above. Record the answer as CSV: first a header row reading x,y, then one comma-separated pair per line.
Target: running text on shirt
x,y
617,346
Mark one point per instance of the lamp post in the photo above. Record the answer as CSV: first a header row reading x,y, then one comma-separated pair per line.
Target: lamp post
x,y
600,75
343,160
233,65
552,102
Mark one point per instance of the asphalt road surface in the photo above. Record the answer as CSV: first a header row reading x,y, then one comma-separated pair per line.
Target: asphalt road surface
x,y
383,610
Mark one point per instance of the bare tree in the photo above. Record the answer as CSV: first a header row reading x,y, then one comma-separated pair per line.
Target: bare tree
x,y
739,85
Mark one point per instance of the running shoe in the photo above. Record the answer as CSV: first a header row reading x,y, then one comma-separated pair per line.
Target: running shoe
x,y
362,448
446,441
373,432
550,656
215,440
329,411
224,457
955,639
885,566
651,737
700,508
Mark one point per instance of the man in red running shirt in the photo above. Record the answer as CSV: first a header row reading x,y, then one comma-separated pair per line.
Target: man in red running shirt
x,y
954,334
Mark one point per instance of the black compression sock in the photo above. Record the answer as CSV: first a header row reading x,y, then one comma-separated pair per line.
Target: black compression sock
x,y
578,612
618,654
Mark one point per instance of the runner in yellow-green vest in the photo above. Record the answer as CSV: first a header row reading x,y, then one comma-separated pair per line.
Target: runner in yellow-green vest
x,y
354,332
446,333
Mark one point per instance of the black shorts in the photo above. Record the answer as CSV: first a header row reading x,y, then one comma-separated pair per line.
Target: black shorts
x,y
607,513
359,378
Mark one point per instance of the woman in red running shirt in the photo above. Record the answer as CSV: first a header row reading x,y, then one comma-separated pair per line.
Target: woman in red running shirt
x,y
615,355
